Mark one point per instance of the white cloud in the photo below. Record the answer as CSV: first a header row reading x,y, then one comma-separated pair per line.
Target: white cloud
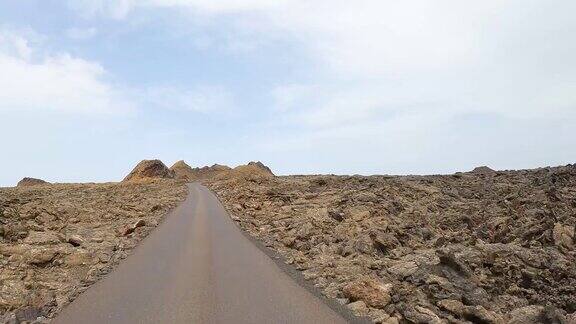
x,y
81,33
33,79
368,36
498,56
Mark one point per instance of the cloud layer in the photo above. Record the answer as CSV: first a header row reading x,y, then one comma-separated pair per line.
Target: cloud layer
x,y
512,58
33,79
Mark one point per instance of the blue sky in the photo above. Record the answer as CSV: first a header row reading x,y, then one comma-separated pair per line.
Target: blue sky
x,y
89,88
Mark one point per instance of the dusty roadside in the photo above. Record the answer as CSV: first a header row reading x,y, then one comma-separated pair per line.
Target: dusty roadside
x,y
480,247
58,239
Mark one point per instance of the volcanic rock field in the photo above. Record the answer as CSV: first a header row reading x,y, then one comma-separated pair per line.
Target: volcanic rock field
x,y
475,247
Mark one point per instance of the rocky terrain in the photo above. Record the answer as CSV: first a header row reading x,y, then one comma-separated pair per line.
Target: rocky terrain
x,y
478,247
185,172
58,239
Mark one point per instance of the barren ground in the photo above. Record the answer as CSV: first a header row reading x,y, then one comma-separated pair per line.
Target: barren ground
x,y
483,247
56,240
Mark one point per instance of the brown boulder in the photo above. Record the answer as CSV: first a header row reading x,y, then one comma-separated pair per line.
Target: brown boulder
x,y
527,314
358,308
563,236
385,242
453,306
149,169
40,256
369,290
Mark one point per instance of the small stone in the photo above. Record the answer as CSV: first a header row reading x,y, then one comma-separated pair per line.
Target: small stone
x,y
385,242
358,308
305,231
527,314
481,315
40,256
336,215
563,236
403,269
363,244
425,315
75,240
391,320
128,231
453,306
371,291
288,241
379,316
132,228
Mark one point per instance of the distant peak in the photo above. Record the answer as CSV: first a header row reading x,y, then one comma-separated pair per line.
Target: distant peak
x,y
149,169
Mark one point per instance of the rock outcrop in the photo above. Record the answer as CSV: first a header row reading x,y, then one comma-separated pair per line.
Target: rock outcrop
x,y
261,167
149,169
183,171
27,182
253,171
209,172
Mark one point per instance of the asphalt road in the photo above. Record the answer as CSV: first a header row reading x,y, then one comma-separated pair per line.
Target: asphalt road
x,y
198,267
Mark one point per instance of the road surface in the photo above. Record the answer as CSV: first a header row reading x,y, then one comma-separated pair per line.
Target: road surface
x,y
198,267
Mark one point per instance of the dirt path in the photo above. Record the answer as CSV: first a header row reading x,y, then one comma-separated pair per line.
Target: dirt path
x,y
197,267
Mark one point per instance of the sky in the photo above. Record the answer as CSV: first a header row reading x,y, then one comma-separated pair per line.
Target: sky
x,y
90,87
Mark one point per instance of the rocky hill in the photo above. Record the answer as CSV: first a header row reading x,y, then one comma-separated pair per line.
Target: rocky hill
x,y
149,169
183,171
27,182
253,171
208,172
476,247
